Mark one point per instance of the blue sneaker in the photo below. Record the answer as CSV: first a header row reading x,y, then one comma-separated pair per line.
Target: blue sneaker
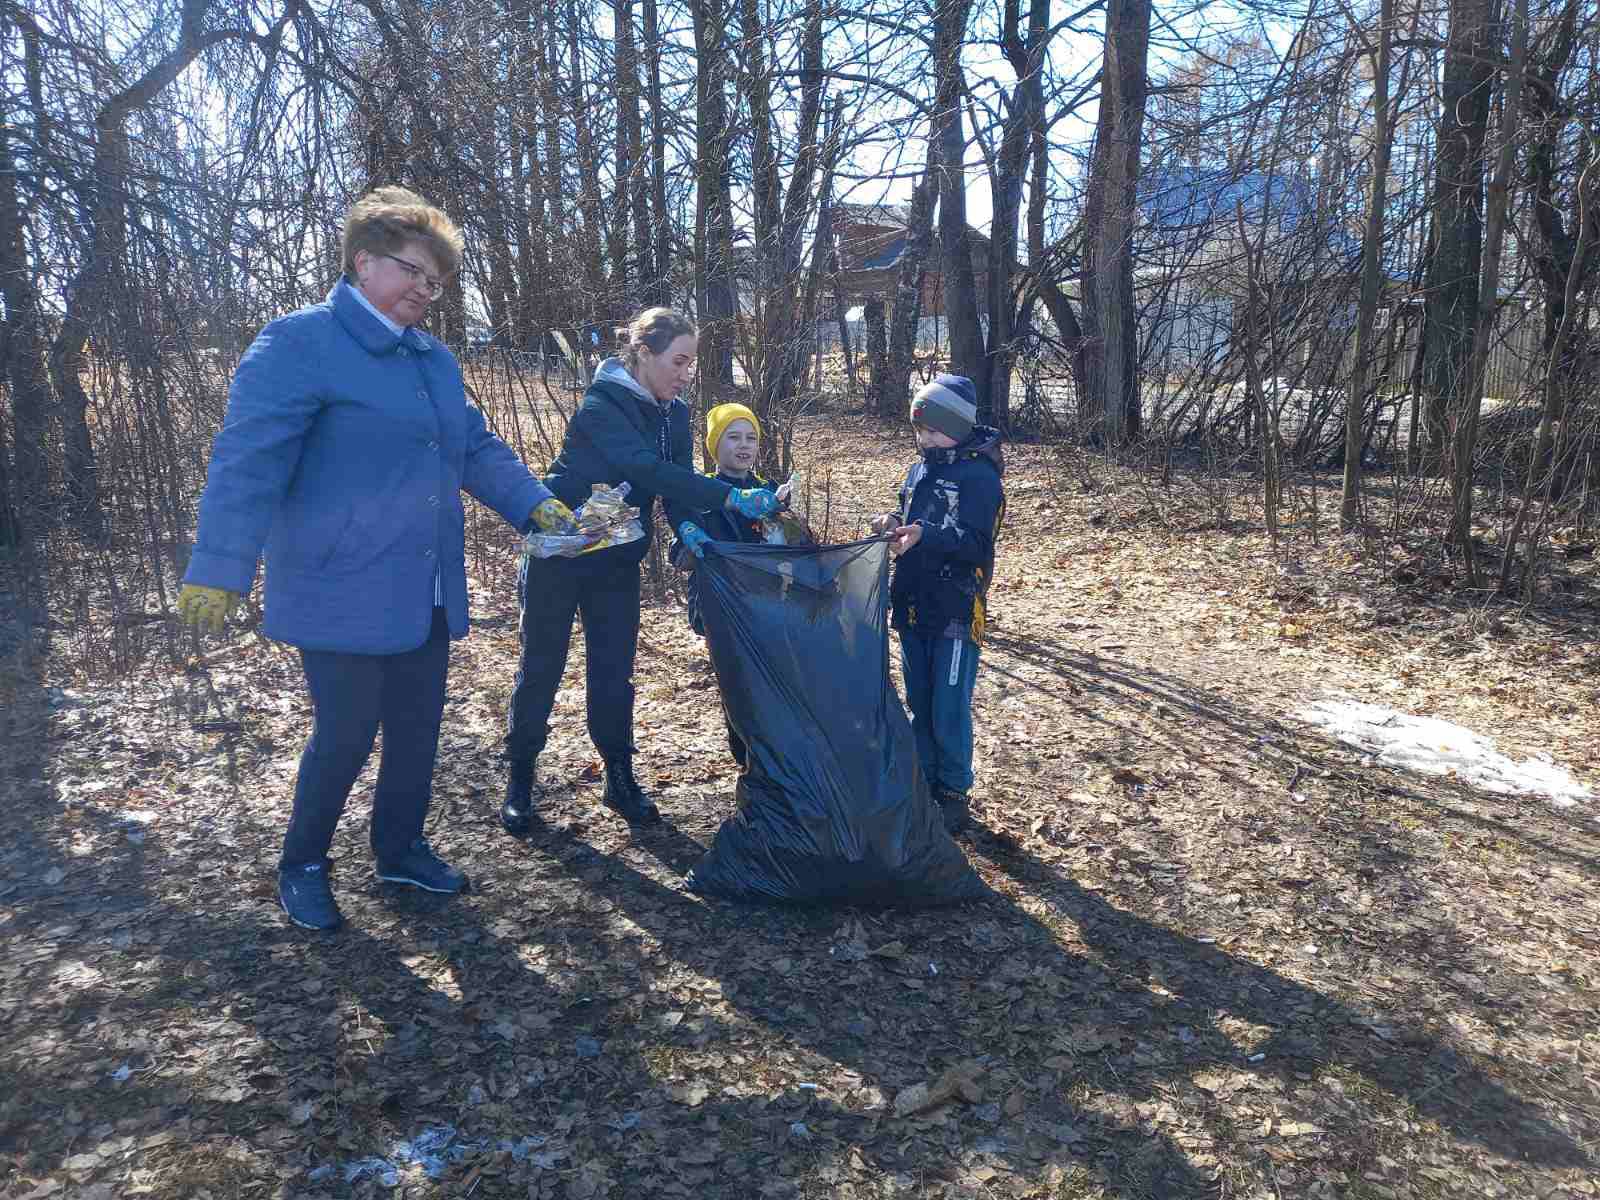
x,y
420,867
306,897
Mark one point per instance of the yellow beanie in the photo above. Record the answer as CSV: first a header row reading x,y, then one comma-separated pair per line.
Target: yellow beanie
x,y
718,420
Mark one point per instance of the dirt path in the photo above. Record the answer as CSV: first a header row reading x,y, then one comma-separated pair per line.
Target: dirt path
x,y
1229,958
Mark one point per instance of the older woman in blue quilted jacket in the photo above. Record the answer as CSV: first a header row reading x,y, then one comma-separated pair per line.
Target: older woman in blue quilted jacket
x,y
347,444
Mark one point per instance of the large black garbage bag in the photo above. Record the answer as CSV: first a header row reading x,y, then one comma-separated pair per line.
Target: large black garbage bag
x,y
833,808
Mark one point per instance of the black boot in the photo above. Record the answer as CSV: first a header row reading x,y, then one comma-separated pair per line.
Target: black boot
x,y
624,794
523,793
953,806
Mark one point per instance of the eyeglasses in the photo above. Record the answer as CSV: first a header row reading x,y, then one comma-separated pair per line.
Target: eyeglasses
x,y
417,275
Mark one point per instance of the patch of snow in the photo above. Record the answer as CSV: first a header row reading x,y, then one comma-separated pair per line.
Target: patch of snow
x,y
1434,747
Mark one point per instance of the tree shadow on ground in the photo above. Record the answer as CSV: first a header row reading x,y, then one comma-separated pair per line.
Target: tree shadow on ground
x,y
953,1016
890,1024
214,1044
530,1010
1110,694
1307,1029
1373,836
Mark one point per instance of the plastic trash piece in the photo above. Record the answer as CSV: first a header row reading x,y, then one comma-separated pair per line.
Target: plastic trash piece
x,y
788,526
604,519
833,808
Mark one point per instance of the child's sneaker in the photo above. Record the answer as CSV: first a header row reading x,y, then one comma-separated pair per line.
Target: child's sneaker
x,y
954,806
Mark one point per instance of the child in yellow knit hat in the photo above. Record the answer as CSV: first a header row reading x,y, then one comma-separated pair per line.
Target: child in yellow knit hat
x,y
733,440
744,447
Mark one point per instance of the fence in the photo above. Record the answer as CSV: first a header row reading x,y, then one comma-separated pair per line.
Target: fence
x,y
1194,328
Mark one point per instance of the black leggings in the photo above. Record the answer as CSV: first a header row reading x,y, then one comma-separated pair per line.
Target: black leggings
x,y
604,587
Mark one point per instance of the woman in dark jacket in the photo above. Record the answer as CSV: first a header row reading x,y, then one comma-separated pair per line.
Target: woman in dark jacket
x,y
630,427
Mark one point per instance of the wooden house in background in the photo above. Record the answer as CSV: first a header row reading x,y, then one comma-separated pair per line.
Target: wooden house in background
x,y
871,238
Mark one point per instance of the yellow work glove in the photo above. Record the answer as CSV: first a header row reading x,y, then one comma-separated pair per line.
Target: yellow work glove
x,y
552,516
205,607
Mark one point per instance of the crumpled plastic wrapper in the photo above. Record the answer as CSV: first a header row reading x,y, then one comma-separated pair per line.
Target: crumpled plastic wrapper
x,y
787,526
604,519
784,528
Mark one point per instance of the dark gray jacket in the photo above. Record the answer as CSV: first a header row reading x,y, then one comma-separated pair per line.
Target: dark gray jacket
x,y
621,433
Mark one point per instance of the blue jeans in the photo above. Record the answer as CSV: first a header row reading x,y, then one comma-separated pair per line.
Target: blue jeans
x,y
351,695
940,673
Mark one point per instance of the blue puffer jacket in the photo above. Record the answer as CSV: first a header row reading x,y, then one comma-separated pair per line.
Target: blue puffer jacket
x,y
343,456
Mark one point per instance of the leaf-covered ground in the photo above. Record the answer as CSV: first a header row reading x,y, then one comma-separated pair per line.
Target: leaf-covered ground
x,y
1228,957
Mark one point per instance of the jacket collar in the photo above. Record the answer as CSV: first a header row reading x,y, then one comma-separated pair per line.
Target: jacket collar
x,y
614,372
982,442
369,332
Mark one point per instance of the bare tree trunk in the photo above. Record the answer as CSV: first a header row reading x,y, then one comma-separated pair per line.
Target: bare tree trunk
x,y
967,355
780,215
1109,355
879,400
1258,308
500,292
821,248
1465,442
521,315
1371,273
10,530
1024,123
603,301
88,296
26,371
846,348
557,303
89,291
1541,472
658,288
893,385
534,307
713,252
630,255
765,193
1041,281
1455,258
1562,272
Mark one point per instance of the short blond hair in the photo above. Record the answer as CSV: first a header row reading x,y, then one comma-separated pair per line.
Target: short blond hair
x,y
656,328
387,218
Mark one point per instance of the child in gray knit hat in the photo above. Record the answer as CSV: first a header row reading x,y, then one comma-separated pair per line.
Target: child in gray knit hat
x,y
942,539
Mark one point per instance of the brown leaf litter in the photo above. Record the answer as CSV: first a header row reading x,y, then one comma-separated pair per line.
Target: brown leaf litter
x,y
1228,957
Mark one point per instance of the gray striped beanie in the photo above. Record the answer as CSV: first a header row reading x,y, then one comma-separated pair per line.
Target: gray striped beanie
x,y
948,403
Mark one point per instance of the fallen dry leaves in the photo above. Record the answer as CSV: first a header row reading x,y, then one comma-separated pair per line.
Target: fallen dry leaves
x,y
1228,957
